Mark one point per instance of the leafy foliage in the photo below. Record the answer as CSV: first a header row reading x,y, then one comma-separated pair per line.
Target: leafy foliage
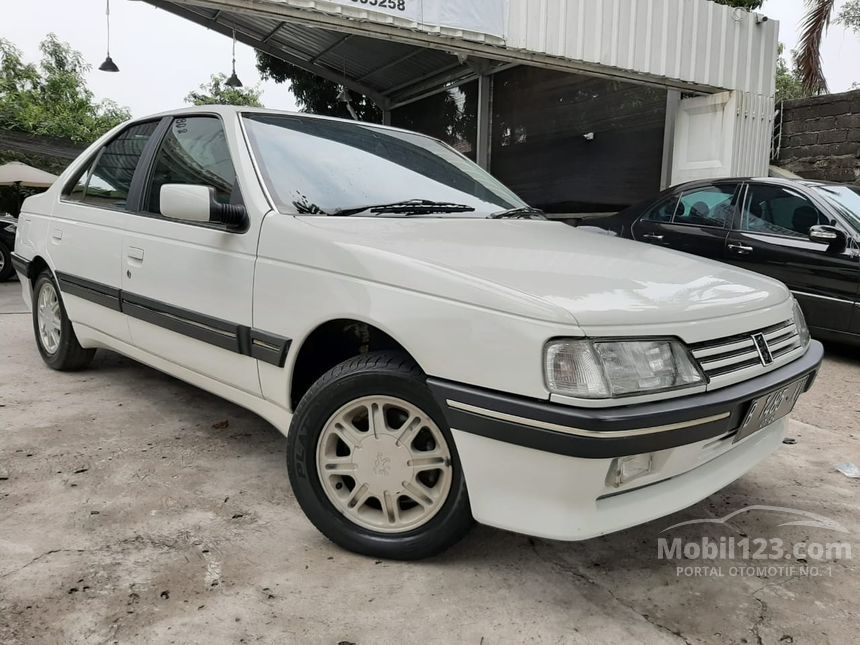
x,y
789,84
217,92
815,24
315,94
849,15
750,5
51,98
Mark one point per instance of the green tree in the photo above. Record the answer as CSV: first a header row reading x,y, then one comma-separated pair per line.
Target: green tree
x,y
849,16
815,24
51,98
217,92
789,84
315,94
749,5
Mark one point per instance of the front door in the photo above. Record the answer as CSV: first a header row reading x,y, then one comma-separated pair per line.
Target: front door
x,y
187,287
771,236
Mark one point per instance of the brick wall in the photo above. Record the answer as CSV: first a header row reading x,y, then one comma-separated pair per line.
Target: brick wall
x,y
821,137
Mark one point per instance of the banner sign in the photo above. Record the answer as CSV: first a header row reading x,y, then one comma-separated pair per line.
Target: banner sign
x,y
481,16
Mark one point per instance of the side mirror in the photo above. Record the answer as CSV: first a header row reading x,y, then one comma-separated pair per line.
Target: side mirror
x,y
834,238
192,203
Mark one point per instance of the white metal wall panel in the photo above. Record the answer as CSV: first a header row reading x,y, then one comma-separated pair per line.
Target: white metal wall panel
x,y
690,41
685,42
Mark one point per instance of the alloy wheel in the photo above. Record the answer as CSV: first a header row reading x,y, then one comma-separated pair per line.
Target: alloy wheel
x,y
384,464
49,318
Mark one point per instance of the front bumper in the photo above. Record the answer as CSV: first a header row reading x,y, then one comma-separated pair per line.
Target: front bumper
x,y
543,469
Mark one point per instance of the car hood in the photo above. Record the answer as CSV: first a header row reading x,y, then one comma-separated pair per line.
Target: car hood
x,y
598,280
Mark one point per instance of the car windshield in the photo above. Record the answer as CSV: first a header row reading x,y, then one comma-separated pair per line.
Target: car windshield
x,y
317,166
846,199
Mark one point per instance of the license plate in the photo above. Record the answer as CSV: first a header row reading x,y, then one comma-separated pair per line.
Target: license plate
x,y
770,408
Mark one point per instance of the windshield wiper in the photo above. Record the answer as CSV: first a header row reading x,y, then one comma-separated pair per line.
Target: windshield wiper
x,y
526,212
409,207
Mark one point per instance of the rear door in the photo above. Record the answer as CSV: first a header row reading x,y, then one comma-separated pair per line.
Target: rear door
x,y
187,286
86,233
771,236
693,220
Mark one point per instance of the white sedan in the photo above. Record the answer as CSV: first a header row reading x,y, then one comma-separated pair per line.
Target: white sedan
x,y
434,350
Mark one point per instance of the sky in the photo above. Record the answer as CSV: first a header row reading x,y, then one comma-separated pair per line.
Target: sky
x,y
162,57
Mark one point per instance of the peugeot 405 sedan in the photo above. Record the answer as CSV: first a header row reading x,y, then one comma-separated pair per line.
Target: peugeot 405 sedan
x,y
803,233
434,350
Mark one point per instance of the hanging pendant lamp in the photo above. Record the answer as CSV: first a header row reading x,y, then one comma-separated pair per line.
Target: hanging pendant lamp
x,y
233,81
108,65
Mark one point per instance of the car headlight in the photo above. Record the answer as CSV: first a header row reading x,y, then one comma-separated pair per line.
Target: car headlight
x,y
800,323
597,369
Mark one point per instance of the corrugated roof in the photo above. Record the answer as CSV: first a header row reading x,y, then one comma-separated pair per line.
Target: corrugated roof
x,y
686,44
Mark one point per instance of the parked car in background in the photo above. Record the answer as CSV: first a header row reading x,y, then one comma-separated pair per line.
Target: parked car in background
x,y
434,350
803,233
8,226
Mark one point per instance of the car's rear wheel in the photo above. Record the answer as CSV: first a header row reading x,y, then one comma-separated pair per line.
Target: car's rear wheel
x,y
6,268
373,464
55,337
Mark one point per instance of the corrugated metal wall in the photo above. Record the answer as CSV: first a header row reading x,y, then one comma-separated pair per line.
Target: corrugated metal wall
x,y
684,41
687,40
753,132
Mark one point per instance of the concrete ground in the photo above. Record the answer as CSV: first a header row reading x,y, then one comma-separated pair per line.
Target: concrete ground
x,y
135,508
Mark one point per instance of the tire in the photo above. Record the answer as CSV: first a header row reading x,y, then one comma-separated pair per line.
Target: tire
x,y
398,528
66,354
6,268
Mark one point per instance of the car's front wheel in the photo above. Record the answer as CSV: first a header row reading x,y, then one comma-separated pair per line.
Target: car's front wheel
x,y
55,337
373,464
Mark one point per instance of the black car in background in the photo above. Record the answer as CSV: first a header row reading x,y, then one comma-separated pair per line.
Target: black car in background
x,y
804,233
8,226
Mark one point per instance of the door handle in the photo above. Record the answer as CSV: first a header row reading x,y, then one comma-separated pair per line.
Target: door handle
x,y
653,237
57,234
135,253
740,249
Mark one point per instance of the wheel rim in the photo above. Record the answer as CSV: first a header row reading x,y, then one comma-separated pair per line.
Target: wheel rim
x,y
384,464
48,318
2,261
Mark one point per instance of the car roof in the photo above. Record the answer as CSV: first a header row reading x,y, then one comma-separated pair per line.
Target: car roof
x,y
233,110
776,181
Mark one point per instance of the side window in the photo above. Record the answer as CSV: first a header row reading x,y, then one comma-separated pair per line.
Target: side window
x,y
710,206
194,151
663,211
779,211
107,182
79,188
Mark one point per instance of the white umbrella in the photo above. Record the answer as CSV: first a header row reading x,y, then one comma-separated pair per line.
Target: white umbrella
x,y
20,174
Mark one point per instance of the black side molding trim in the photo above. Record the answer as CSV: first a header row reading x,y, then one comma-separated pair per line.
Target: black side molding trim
x,y
21,265
263,346
734,400
183,321
96,292
269,348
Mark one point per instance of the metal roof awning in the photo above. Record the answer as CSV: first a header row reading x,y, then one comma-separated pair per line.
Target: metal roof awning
x,y
693,46
389,72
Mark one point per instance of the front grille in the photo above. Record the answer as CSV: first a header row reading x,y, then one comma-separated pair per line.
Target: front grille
x,y
724,357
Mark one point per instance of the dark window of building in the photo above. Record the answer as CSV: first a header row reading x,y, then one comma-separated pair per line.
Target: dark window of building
x,y
451,116
194,151
570,143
